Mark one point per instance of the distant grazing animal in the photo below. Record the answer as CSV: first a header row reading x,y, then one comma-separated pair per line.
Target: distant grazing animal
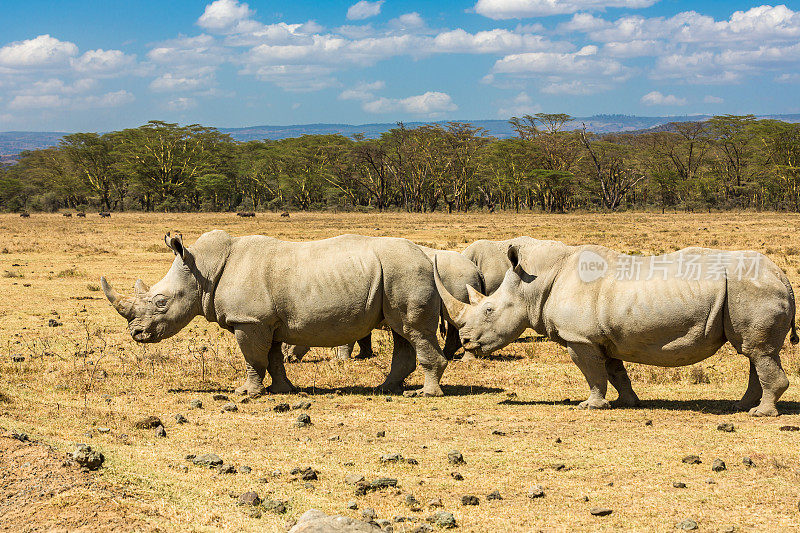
x,y
245,214
285,214
671,310
104,214
80,214
25,214
68,215
323,293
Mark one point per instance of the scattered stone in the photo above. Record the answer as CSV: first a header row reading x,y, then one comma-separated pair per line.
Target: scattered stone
x,y
377,484
790,428
412,461
391,458
558,440
384,524
499,433
333,438
220,398
718,465
444,519
22,437
435,502
494,495
208,459
275,506
648,422
729,529
369,514
308,485
746,461
691,460
687,525
18,358
306,474
352,505
150,422
456,476
302,405
559,467
726,427
182,468
249,498
104,430
315,521
53,323
87,458
454,457
679,484
711,481
161,433
422,528
226,469
196,404
230,407
245,469
412,502
535,491
180,419
380,434
281,408
353,479
190,456
600,511
469,499
303,421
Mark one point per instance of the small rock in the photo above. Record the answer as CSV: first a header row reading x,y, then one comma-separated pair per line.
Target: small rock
x,y
104,430
53,323
380,434
220,398
691,460
456,476
444,519
303,421
230,407
190,457
391,458
196,404
422,528
377,484
729,529
180,419
718,465
226,469
18,358
411,501
412,461
558,440
600,511
711,481
746,461
535,491
150,422
353,505
161,432
208,459
790,428
368,514
302,405
679,484
559,467
687,525
648,422
182,468
494,495
469,499
499,433
454,457
275,506
281,408
435,502
88,458
353,479
249,498
245,469
726,427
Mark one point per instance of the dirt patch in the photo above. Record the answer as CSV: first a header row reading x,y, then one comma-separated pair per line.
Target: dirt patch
x,y
41,490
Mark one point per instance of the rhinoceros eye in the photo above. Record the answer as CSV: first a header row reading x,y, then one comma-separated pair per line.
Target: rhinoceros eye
x,y
161,302
488,311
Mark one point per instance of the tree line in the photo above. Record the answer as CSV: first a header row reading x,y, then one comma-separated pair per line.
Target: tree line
x,y
725,162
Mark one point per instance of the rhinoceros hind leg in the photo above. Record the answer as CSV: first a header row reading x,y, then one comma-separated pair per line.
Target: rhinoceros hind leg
x,y
344,351
403,364
452,343
277,371
433,364
365,348
773,383
293,353
619,378
752,396
591,361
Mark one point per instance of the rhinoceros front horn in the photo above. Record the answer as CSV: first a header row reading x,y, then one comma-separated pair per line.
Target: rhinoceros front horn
x,y
455,307
124,306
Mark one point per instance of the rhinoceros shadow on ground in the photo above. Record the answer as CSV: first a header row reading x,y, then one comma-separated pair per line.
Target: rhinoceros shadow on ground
x,y
449,390
713,407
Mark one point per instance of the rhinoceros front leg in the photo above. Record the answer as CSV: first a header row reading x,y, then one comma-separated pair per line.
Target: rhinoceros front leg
x,y
591,361
619,378
752,396
403,364
452,343
255,357
433,363
277,371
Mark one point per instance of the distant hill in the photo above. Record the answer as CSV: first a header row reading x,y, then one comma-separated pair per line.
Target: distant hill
x,y
14,142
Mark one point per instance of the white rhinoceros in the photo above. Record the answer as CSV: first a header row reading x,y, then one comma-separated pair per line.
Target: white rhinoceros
x,y
491,258
268,291
670,310
457,273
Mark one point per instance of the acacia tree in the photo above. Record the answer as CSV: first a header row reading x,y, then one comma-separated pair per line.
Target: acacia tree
x,y
91,155
613,173
734,150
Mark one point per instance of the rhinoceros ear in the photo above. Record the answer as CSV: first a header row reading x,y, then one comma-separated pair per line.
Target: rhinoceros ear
x,y
175,242
513,256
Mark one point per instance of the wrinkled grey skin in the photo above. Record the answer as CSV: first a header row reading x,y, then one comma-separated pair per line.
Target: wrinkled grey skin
x,y
663,322
267,292
491,258
458,274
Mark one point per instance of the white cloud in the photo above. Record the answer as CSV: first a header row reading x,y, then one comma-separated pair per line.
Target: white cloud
x,y
709,99
788,77
508,9
227,16
362,91
656,98
520,105
200,50
41,51
175,82
42,101
102,61
581,63
112,99
576,87
57,86
495,41
296,78
407,22
429,104
635,48
364,10
182,104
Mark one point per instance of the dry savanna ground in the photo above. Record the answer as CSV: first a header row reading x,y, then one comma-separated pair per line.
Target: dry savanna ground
x,y
512,417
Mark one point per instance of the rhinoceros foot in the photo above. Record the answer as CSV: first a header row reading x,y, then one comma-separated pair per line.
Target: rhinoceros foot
x,y
468,356
745,405
764,411
282,388
389,388
595,403
251,389
626,402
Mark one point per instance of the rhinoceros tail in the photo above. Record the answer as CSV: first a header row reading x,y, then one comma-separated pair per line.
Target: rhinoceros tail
x,y
793,338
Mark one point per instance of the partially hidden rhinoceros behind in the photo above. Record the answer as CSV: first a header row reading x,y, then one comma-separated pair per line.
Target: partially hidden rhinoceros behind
x,y
323,293
671,310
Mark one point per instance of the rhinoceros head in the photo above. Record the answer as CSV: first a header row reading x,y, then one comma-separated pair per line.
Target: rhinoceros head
x,y
488,323
158,312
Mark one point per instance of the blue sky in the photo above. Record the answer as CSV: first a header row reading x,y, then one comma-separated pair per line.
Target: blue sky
x,y
72,65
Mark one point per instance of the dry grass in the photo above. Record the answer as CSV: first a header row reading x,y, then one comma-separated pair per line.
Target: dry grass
x,y
88,374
